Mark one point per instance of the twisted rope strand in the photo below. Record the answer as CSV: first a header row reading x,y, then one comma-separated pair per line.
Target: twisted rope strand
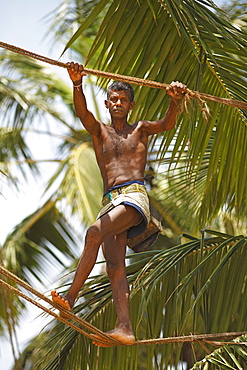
x,y
28,287
22,295
133,80
103,337
193,338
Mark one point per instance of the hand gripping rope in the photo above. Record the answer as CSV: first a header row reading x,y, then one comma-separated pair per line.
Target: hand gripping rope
x,y
134,80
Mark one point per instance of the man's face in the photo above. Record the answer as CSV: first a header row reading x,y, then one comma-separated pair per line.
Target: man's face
x,y
119,104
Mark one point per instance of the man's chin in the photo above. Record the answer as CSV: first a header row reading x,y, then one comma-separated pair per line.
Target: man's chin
x,y
118,115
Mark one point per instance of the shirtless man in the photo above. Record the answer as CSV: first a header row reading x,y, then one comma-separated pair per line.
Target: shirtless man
x,y
121,152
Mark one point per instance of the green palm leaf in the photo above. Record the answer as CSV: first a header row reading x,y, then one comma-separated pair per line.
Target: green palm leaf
x,y
74,178
35,239
24,102
40,243
192,42
15,151
76,186
228,357
163,290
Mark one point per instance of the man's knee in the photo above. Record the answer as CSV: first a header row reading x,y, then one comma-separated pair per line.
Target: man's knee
x,y
93,235
115,270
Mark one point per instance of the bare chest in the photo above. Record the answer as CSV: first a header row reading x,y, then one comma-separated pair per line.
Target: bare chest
x,y
118,145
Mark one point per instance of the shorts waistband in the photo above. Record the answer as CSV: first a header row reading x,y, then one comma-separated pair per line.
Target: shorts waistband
x,y
127,183
132,188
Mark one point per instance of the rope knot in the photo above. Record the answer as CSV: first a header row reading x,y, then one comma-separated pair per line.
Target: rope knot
x,y
186,100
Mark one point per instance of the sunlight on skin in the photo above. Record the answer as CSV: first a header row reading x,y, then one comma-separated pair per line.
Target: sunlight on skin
x,y
117,334
97,341
61,302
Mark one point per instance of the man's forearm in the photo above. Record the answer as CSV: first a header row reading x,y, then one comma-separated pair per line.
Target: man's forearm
x,y
170,117
79,100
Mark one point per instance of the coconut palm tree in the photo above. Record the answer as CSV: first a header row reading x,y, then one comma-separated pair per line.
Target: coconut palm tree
x,y
190,287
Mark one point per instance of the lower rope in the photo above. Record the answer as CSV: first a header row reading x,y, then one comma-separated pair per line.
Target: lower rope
x,y
16,279
103,337
133,80
210,338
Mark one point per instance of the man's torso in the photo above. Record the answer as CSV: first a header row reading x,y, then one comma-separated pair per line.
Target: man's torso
x,y
121,156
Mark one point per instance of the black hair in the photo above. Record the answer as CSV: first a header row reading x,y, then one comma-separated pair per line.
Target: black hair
x,y
118,86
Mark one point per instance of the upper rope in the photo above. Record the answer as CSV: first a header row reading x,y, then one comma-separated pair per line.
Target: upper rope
x,y
133,80
101,336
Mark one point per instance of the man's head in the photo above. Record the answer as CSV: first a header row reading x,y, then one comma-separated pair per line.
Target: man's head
x,y
121,86
120,100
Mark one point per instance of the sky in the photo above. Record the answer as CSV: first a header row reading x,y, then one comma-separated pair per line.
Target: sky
x,y
21,25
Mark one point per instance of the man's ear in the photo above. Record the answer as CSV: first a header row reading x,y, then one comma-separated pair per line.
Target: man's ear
x,y
106,104
132,104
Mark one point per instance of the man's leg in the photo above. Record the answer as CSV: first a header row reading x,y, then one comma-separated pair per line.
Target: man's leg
x,y
85,266
114,249
113,223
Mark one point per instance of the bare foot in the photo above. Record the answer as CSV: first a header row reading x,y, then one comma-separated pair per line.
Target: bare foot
x,y
61,302
123,336
98,341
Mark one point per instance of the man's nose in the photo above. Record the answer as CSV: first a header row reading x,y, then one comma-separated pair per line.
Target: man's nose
x,y
118,102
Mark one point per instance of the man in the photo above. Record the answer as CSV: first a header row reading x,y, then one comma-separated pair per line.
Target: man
x,y
121,152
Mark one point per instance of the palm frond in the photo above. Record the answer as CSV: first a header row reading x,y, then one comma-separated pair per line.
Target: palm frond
x,y
35,243
94,11
193,42
78,172
41,244
14,151
23,103
228,357
173,292
208,186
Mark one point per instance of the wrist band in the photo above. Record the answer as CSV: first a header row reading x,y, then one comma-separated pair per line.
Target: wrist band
x,y
77,86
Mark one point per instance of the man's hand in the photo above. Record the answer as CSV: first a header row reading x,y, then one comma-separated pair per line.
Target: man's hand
x,y
76,71
176,90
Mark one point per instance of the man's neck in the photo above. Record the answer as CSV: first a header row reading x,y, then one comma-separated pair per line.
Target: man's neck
x,y
119,124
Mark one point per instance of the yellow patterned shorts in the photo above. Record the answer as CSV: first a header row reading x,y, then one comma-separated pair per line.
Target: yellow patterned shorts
x,y
134,194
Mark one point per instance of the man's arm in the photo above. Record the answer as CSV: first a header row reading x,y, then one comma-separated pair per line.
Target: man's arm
x,y
91,124
176,90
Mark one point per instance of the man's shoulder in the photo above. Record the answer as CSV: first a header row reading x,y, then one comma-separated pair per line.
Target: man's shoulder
x,y
101,124
140,127
102,132
141,124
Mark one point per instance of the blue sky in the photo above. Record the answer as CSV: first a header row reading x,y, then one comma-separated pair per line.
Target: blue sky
x,y
21,25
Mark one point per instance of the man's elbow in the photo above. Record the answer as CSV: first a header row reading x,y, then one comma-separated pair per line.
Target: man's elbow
x,y
170,126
